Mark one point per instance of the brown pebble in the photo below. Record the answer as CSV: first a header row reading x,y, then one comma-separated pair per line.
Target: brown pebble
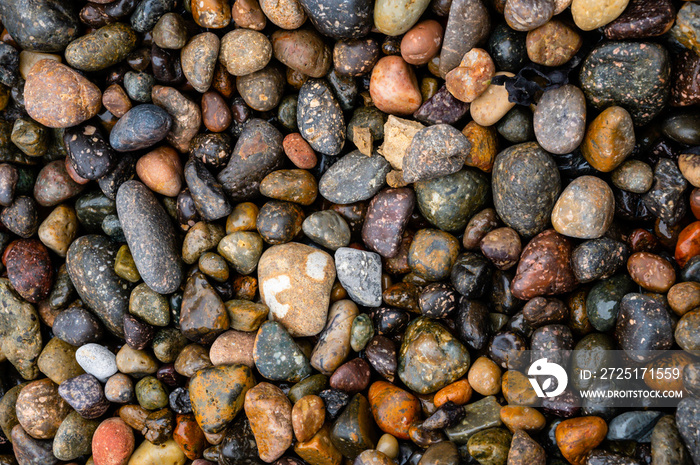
x,y
161,171
116,101
216,114
299,151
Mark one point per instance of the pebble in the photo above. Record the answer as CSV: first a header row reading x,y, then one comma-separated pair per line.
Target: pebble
x,y
664,200
434,151
643,325
667,443
40,409
609,139
589,15
576,437
333,345
277,357
308,415
472,76
21,217
74,437
102,48
584,209
609,77
97,360
85,394
51,95
394,87
57,361
527,173
328,229
560,119
150,237
29,450
302,50
420,44
634,176
141,127
425,374
244,51
48,27
468,24
651,271
552,44
320,118
199,59
270,415
524,450
393,409
185,115
112,443
360,274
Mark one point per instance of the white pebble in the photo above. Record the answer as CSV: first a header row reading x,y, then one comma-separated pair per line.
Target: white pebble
x,y
97,360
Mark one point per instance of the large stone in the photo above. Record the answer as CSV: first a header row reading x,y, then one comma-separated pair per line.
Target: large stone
x,y
295,283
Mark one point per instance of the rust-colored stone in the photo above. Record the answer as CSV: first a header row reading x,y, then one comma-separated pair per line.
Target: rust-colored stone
x,y
393,409
576,437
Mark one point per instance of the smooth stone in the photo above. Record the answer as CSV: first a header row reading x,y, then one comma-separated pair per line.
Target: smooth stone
x,y
29,269
448,202
584,209
261,90
270,415
119,388
525,451
185,115
651,271
576,437
112,443
393,409
89,152
552,44
490,446
395,17
589,15
634,426
544,267
609,76
242,249
41,25
479,416
643,326
447,362
634,176
354,432
361,332
85,394
208,195
327,228
353,178
150,454
360,274
665,200
149,306
217,395
393,86
102,48
320,118
526,15
609,139
203,315
30,451
598,259
560,119
40,409
135,362
90,263
642,19
150,236
441,108
53,185
57,361
507,47
279,222
525,187
302,50
257,153
141,127
199,58
684,89
21,217
298,186
308,415
333,344
342,20
74,437
387,216
51,95
667,443
687,415
244,51
277,356
432,254
97,360
686,332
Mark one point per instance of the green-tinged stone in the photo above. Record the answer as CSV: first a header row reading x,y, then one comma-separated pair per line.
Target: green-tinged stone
x,y
603,301
168,343
150,306
242,249
491,446
432,254
57,361
245,315
590,353
354,430
92,208
151,394
8,413
74,437
361,332
102,48
277,356
309,386
217,395
30,137
430,357
124,265
612,75
450,201
479,415
20,336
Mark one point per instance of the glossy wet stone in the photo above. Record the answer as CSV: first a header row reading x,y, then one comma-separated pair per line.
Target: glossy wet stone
x,y
320,118
423,373
393,408
354,177
257,152
273,432
203,315
560,119
468,23
141,127
328,229
436,266
544,267
479,415
74,436
610,76
279,222
49,26
29,450
643,325
664,199
434,151
40,409
526,173
217,395
641,19
584,209
576,437
449,201
277,356
524,450
21,217
666,442
150,236
603,301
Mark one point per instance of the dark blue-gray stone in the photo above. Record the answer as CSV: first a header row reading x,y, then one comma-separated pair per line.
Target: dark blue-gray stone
x,y
354,177
633,426
277,357
148,12
141,127
320,118
151,237
360,273
40,25
207,193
